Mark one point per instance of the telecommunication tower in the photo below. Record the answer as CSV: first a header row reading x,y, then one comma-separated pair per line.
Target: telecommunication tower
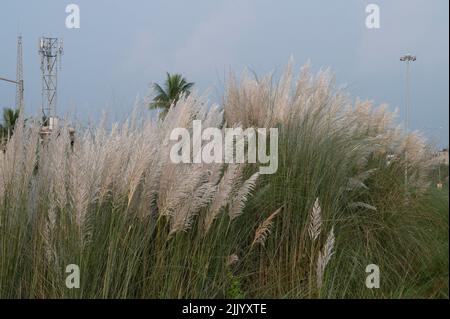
x,y
50,50
19,76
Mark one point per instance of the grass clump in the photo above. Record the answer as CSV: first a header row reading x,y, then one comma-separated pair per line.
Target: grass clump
x,y
139,226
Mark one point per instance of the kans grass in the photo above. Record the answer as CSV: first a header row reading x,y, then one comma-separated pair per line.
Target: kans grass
x,y
139,226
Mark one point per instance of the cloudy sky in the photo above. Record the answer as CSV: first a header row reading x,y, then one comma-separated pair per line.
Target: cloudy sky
x,y
123,46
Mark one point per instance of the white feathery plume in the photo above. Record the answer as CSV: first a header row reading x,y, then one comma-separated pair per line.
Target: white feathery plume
x,y
324,257
232,259
362,205
242,196
358,180
315,221
223,193
263,231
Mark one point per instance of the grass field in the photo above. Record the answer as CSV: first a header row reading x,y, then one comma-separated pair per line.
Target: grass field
x,y
139,226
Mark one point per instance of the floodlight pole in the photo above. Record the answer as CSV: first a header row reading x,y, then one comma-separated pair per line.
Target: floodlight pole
x,y
407,58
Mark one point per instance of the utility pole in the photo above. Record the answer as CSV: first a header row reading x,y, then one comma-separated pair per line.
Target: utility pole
x,y
408,58
19,86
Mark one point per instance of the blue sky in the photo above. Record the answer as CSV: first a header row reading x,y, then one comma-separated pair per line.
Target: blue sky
x,y
123,46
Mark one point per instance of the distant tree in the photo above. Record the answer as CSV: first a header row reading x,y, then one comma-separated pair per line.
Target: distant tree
x,y
10,117
174,86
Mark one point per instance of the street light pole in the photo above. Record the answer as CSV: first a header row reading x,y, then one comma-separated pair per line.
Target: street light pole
x,y
408,58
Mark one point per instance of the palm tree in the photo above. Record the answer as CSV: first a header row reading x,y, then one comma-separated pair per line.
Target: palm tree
x,y
174,86
10,117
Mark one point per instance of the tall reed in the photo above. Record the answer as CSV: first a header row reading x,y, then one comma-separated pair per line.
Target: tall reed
x,y
141,226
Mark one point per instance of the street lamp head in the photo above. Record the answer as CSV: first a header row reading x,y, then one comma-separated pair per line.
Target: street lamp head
x,y
408,57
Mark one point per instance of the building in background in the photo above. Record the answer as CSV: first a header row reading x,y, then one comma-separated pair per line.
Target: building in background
x,y
442,156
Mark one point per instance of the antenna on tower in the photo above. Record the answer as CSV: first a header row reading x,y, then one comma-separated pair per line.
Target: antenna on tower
x,y
19,75
50,50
